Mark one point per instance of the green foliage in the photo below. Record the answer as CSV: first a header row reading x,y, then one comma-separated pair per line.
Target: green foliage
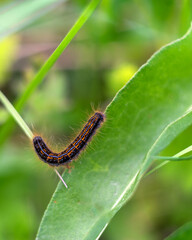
x,y
183,233
106,175
8,48
121,36
20,14
6,130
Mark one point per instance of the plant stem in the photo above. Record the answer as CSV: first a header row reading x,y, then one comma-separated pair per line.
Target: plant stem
x,y
176,157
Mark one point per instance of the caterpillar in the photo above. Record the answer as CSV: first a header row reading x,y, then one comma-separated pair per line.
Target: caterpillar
x,y
72,151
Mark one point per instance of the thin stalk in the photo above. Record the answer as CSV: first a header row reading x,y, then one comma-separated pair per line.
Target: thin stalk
x,y
60,178
16,115
176,157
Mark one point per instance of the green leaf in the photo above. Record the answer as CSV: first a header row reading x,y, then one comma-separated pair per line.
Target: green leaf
x,y
183,233
107,173
167,135
15,16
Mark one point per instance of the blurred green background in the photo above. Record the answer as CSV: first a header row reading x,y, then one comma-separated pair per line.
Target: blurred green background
x,y
119,37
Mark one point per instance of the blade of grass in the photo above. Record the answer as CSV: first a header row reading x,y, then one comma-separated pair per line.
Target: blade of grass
x,y
7,128
15,115
57,53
